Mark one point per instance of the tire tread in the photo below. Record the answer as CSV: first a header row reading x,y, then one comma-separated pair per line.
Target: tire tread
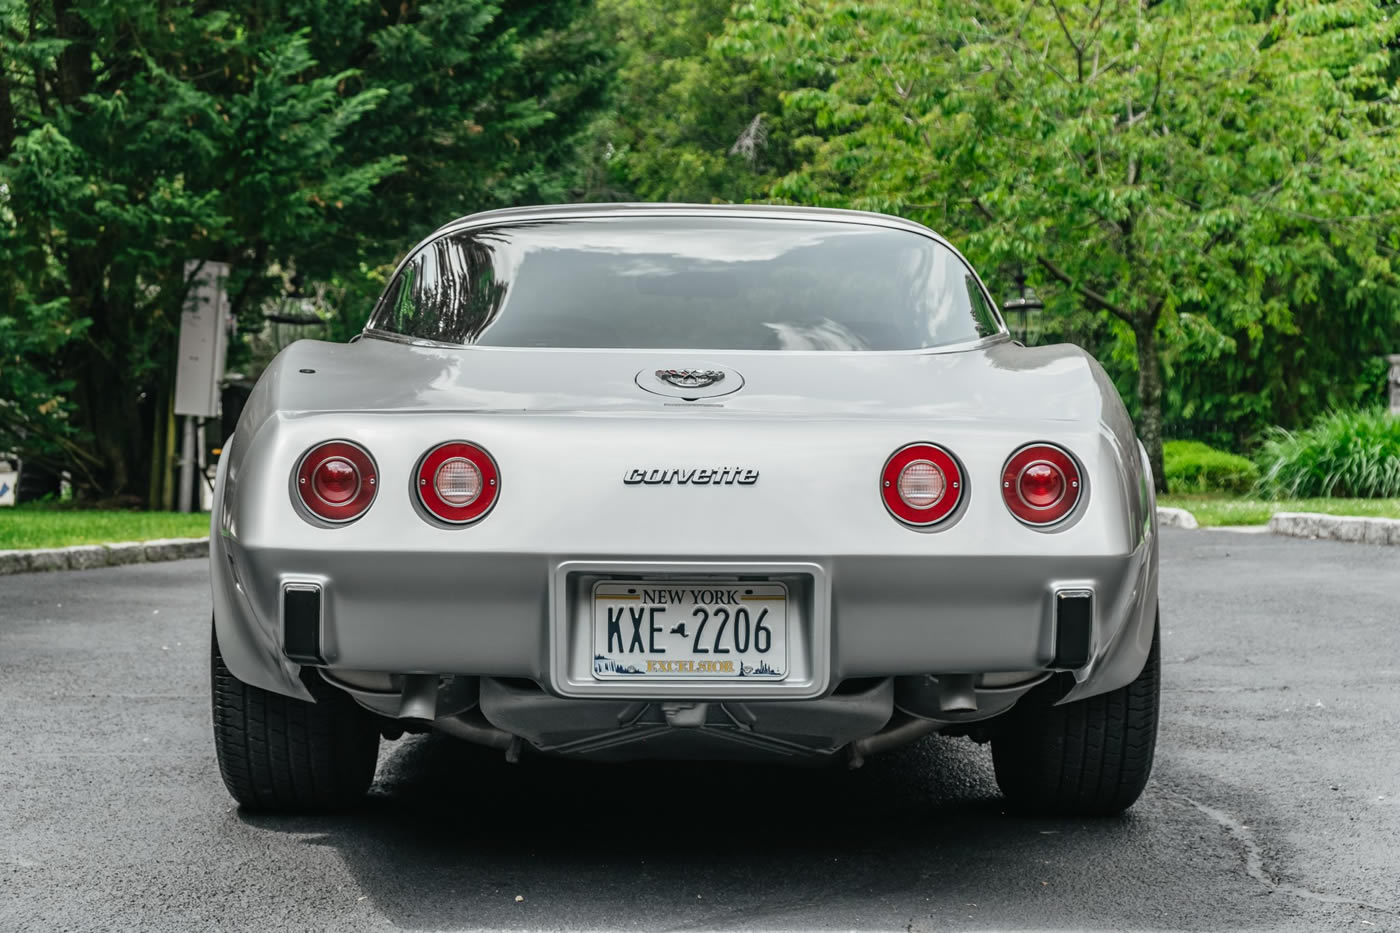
x,y
281,753
1091,757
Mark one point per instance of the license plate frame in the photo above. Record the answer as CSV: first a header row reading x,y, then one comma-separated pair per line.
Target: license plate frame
x,y
568,657
690,631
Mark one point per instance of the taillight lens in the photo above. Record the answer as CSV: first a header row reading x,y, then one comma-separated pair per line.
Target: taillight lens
x,y
1041,484
922,484
336,481
457,482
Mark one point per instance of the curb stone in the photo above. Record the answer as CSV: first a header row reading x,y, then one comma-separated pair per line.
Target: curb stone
x,y
85,557
176,548
1336,527
49,558
1175,518
89,556
127,552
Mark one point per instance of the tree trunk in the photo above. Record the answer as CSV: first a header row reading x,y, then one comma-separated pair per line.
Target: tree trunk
x,y
107,388
7,110
158,480
1149,391
74,74
107,411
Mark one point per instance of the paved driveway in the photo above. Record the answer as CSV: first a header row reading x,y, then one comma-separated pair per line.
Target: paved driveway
x,y
1275,804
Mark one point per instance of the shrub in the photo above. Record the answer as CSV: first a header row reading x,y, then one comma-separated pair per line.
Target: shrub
x,y
1353,454
1195,467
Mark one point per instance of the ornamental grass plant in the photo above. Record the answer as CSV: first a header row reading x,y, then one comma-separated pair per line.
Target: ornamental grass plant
x,y
1352,454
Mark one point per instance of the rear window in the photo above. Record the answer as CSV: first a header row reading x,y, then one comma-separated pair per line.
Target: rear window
x,y
727,283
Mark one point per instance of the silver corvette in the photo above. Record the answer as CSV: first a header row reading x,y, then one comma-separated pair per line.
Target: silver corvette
x,y
671,481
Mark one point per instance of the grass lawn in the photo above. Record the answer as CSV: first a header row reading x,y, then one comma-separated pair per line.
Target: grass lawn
x,y
28,526
1219,509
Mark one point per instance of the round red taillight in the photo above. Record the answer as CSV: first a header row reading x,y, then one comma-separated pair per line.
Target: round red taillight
x,y
457,482
336,481
922,484
1041,484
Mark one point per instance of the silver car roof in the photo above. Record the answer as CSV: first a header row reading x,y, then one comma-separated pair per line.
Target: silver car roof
x,y
678,209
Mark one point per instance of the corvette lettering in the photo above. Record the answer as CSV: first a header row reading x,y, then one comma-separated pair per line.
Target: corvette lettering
x,y
726,476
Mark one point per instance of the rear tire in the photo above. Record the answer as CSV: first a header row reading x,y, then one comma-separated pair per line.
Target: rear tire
x,y
1087,758
281,753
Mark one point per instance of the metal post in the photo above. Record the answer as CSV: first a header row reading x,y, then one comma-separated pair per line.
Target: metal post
x,y
187,465
1394,379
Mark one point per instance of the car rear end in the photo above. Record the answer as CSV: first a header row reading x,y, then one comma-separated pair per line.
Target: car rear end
x,y
872,588
586,552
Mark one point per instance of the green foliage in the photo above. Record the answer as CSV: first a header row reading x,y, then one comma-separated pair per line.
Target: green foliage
x,y
689,122
1203,192
1196,467
1230,388
1193,171
483,102
306,144
34,408
1344,453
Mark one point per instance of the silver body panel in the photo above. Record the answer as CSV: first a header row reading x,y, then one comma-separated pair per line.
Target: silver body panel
x,y
497,600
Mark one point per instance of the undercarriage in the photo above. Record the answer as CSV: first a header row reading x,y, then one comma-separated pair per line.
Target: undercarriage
x,y
860,717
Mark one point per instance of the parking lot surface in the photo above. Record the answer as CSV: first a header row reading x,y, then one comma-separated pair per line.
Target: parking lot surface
x,y
1275,803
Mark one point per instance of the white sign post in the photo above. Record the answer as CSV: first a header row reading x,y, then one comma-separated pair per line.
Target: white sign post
x,y
203,346
9,479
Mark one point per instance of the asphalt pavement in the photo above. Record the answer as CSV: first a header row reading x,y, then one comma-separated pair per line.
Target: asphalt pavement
x,y
1275,804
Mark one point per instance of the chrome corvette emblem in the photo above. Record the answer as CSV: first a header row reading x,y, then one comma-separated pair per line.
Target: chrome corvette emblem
x,y
690,378
727,476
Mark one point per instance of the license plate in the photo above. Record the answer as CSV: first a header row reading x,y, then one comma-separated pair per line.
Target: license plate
x,y
689,631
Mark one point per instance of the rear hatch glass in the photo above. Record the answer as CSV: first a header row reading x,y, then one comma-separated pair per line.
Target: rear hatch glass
x,y
677,282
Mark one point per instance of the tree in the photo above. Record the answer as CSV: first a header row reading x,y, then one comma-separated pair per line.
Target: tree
x,y
687,122
484,102
1174,165
300,142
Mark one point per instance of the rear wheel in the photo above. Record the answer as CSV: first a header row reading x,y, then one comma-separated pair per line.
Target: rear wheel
x,y
1087,758
280,753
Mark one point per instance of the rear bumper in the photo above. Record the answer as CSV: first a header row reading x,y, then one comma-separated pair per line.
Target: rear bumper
x,y
508,615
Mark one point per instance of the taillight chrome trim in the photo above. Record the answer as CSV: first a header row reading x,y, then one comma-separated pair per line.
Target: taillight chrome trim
x,y
319,510
1056,457
439,509
954,488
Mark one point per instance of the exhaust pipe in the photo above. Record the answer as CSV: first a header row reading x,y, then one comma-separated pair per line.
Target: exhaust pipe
x,y
482,733
955,694
931,697
910,730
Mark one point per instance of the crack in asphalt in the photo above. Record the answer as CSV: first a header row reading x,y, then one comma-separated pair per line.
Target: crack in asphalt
x,y
1254,861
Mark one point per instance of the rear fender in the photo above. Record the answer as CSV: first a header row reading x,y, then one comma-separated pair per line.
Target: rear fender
x,y
1126,650
247,646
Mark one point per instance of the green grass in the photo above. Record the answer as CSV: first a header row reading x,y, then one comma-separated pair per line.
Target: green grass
x,y
1236,510
29,526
